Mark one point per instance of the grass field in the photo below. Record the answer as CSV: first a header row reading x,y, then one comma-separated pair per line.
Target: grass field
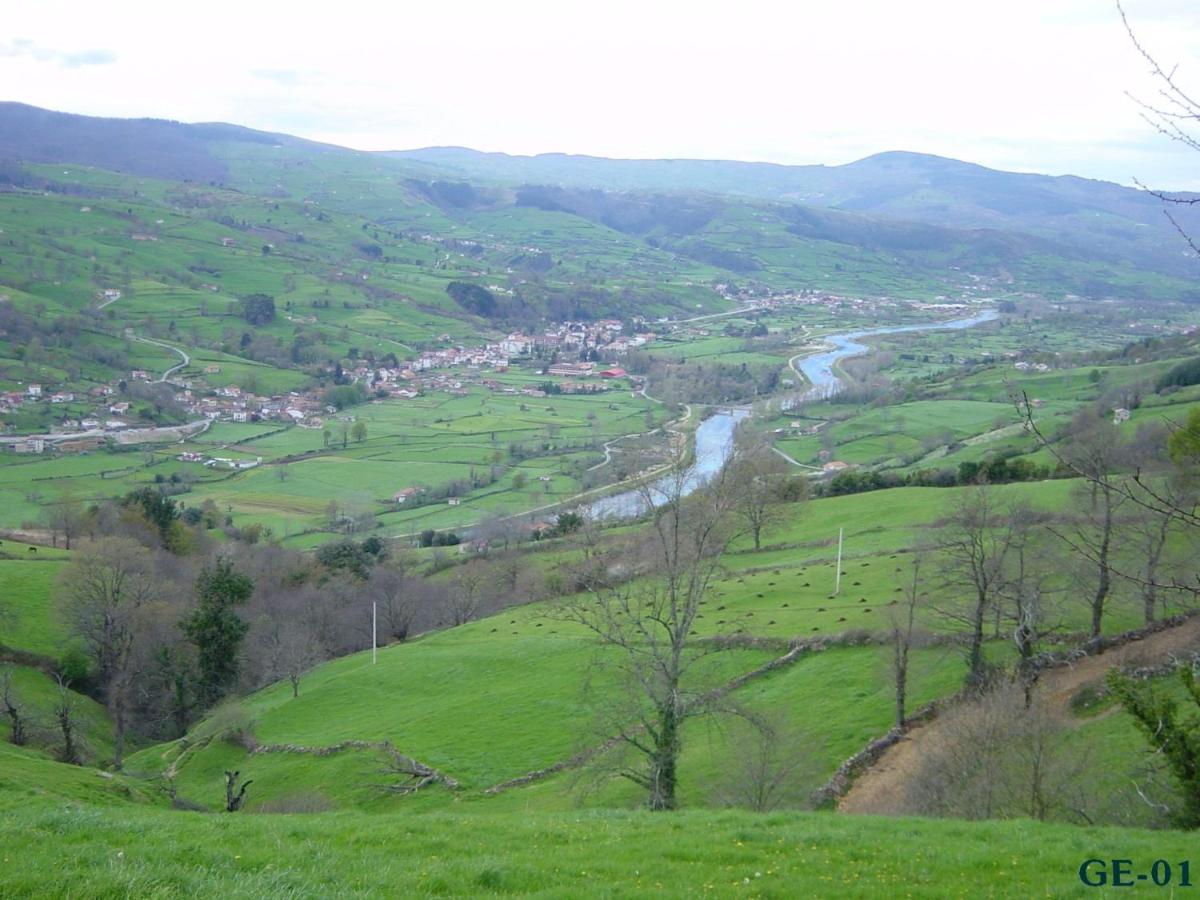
x,y
129,850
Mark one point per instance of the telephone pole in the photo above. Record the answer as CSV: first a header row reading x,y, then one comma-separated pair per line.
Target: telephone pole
x,y
837,582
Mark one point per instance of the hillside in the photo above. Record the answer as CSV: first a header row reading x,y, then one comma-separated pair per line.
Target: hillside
x,y
1090,216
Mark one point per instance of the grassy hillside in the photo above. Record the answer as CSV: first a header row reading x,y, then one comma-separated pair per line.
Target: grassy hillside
x,y
107,851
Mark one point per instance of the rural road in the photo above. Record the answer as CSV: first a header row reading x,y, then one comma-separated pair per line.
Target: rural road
x,y
184,358
880,790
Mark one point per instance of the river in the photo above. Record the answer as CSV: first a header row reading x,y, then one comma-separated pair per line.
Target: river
x,y
818,368
714,437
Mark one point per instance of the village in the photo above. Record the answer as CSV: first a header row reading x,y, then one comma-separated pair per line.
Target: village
x,y
450,370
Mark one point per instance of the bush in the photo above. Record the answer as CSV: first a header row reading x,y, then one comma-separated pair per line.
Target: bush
x,y
74,667
230,722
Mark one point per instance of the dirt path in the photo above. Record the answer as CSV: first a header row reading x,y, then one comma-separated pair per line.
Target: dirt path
x,y
877,790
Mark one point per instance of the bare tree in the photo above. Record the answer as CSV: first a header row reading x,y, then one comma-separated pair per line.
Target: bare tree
x,y
1175,114
1025,588
292,649
646,625
993,758
974,567
1094,448
466,593
397,600
903,619
14,709
106,595
757,471
66,517
1150,531
769,764
71,750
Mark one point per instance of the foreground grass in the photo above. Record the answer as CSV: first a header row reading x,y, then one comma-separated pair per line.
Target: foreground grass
x,y
89,850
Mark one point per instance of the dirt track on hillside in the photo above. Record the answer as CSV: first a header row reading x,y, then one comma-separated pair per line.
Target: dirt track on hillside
x,y
878,790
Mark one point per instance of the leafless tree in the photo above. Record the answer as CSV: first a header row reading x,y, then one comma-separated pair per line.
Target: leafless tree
x,y
14,709
646,626
397,599
1025,589
1150,531
67,518
1094,448
1175,114
107,595
994,758
757,471
65,707
769,765
466,594
903,620
973,565
292,649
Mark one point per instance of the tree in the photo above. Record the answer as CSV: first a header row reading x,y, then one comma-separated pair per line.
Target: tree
x,y
1171,737
903,618
359,431
1150,531
1024,587
768,765
757,471
994,758
292,648
67,517
1175,115
216,630
326,435
258,309
645,626
14,709
1095,449
466,592
107,595
160,511
71,750
345,555
973,565
396,600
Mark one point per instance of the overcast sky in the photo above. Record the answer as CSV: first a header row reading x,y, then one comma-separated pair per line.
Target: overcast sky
x,y
1030,85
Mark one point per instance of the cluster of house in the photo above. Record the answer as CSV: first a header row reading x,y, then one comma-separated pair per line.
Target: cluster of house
x,y
233,404
603,336
219,462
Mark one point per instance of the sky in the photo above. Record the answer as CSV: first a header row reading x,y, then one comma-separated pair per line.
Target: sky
x,y
1026,85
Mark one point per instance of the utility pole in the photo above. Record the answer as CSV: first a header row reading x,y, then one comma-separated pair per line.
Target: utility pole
x,y
837,582
374,644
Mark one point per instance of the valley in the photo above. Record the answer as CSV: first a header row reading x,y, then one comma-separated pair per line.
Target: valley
x,y
581,527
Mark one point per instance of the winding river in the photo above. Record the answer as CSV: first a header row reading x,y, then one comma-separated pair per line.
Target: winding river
x,y
714,437
818,368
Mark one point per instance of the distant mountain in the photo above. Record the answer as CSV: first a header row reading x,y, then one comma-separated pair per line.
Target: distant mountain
x,y
1121,223
156,148
895,222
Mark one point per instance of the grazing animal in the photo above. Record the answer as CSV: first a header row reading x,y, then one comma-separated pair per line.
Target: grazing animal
x,y
33,549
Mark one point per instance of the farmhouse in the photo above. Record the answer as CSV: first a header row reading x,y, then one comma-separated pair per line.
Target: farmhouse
x,y
30,445
403,494
571,369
